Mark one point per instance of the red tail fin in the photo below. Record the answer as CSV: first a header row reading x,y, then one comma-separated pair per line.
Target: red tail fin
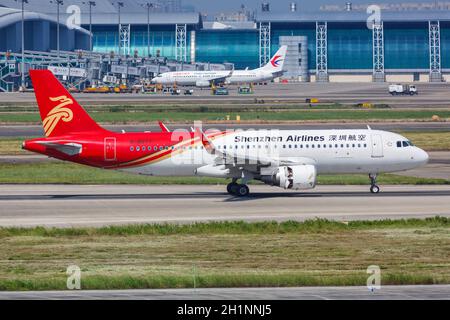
x,y
60,113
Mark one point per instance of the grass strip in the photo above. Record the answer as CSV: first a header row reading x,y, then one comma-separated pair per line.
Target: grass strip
x,y
269,115
227,254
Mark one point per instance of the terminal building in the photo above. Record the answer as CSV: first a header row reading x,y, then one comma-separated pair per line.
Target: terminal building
x,y
323,46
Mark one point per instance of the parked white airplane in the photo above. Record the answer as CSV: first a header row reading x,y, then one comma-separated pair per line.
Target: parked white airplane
x,y
270,71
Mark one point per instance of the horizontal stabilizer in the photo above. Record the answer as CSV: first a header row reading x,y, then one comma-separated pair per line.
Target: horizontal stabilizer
x,y
71,149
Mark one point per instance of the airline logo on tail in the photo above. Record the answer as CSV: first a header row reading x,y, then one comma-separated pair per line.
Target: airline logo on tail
x,y
58,113
276,61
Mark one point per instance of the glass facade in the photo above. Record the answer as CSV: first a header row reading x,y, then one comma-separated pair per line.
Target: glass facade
x,y
445,45
162,40
406,47
240,47
349,44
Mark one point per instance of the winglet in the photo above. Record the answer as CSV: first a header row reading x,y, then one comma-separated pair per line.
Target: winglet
x,y
207,143
163,127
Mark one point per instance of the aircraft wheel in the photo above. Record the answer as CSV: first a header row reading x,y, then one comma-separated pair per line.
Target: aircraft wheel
x,y
242,190
375,189
232,188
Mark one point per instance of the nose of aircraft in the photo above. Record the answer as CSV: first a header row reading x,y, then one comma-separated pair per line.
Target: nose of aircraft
x,y
421,156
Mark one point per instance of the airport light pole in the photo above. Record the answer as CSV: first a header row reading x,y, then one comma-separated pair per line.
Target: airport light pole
x,y
149,5
58,3
91,4
119,5
23,43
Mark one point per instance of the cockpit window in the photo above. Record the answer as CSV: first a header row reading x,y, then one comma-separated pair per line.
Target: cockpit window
x,y
402,144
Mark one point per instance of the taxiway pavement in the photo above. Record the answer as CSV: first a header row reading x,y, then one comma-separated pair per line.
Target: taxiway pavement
x,y
416,292
100,205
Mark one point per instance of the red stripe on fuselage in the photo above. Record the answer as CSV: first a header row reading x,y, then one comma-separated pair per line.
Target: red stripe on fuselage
x,y
166,153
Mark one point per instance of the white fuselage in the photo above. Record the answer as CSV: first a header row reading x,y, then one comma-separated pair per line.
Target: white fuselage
x,y
204,78
330,151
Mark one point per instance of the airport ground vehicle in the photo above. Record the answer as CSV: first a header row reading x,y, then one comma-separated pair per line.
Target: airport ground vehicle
x,y
403,89
188,92
221,91
288,159
245,90
102,89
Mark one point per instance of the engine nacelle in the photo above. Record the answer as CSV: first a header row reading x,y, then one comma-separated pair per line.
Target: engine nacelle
x,y
202,84
302,177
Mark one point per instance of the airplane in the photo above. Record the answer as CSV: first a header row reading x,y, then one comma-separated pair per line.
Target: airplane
x,y
289,159
273,69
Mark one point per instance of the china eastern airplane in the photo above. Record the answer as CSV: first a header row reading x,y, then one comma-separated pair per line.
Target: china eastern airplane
x,y
273,69
289,159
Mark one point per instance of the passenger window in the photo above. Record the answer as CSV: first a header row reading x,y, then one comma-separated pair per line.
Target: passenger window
x,y
131,149
137,148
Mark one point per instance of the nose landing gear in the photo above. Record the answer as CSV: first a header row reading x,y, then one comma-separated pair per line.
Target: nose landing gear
x,y
373,183
240,190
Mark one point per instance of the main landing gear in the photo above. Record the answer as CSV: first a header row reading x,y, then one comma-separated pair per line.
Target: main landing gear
x,y
240,190
373,183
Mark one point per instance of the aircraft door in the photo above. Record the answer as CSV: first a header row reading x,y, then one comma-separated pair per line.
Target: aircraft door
x,y
110,149
377,146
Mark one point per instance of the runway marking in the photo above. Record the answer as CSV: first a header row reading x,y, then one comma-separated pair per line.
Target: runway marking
x,y
225,196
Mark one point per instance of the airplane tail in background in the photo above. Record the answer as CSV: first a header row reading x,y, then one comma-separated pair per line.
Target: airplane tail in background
x,y
276,63
60,113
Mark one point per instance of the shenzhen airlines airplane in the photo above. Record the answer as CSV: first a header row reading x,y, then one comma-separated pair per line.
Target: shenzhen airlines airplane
x,y
289,159
270,71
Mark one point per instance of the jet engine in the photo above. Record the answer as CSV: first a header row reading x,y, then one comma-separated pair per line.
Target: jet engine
x,y
202,83
301,177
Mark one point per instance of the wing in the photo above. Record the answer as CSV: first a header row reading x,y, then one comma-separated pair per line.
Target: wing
x,y
163,127
70,149
222,79
249,162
